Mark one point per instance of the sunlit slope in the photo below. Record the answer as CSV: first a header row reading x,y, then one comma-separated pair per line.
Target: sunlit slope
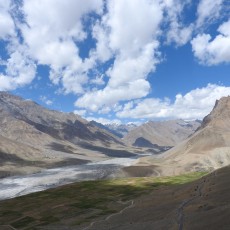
x,y
207,149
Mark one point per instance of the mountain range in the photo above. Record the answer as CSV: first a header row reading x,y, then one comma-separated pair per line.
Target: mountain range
x,y
161,133
119,130
207,149
33,137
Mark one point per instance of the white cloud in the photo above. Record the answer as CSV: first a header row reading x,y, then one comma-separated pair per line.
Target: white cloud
x,y
177,32
216,51
58,19
128,36
6,22
51,33
20,70
129,69
194,105
81,112
225,28
98,80
110,96
180,35
208,10
132,24
45,100
100,32
129,33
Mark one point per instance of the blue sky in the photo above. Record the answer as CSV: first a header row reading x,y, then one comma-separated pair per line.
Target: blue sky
x,y
117,60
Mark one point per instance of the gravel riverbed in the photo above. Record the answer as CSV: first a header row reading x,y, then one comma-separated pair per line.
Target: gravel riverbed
x,y
20,185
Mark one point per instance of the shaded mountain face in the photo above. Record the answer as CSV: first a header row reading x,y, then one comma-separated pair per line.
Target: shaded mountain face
x,y
207,149
34,137
142,142
63,126
162,133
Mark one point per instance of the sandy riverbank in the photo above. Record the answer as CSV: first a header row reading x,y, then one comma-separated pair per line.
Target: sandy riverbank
x,y
21,185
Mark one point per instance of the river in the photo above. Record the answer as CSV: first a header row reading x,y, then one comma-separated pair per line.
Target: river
x,y
21,185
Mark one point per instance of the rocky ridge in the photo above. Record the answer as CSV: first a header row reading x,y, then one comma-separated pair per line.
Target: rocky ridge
x,y
161,133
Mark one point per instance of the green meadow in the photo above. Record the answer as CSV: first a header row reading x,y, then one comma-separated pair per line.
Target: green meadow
x,y
80,203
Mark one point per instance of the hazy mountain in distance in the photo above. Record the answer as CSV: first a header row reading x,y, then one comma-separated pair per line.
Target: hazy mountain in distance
x,y
119,130
107,128
161,133
207,149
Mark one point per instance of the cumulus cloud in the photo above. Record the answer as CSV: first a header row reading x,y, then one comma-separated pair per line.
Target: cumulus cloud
x,y
81,112
52,30
20,70
184,106
126,37
177,31
110,96
213,51
208,10
131,28
7,27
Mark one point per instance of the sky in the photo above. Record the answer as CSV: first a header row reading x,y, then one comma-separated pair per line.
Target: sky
x,y
117,61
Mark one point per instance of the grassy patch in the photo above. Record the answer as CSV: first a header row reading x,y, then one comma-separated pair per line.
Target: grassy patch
x,y
81,202
23,222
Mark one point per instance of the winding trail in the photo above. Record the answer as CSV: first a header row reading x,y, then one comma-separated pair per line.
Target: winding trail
x,y
114,214
180,210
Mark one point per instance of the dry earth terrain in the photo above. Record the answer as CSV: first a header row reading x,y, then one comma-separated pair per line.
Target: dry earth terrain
x,y
207,149
203,204
161,133
33,138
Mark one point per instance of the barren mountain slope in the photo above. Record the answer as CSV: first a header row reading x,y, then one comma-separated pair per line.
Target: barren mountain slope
x,y
208,148
163,133
64,126
47,138
202,204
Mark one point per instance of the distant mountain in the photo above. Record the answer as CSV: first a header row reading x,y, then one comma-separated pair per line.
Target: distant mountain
x,y
119,130
105,127
207,149
34,137
161,133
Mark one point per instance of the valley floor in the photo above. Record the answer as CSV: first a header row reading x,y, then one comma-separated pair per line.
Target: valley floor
x,y
180,202
87,205
50,178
